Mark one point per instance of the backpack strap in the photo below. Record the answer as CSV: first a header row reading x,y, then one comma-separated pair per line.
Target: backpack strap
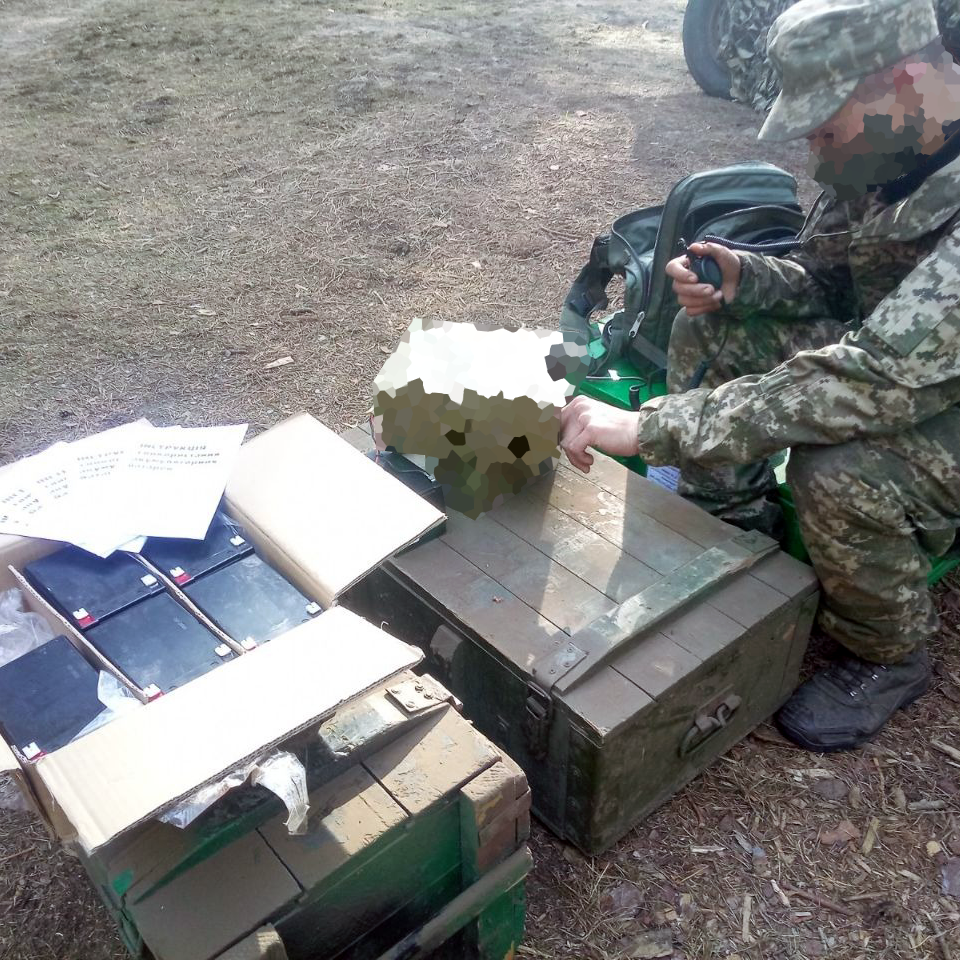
x,y
617,336
587,293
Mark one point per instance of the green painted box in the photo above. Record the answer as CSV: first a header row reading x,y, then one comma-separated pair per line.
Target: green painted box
x,y
611,637
415,847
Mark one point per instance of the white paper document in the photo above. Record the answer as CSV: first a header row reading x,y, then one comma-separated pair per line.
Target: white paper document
x,y
175,477
111,490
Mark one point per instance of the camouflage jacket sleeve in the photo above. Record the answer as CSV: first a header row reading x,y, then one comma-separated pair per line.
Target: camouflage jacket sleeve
x,y
900,368
813,281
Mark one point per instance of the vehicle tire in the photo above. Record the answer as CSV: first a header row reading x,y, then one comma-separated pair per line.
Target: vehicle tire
x,y
703,25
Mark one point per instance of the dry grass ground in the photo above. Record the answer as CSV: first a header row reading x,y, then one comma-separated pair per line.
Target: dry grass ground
x,y
191,190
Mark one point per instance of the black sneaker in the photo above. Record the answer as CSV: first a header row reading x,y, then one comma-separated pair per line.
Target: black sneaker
x,y
847,703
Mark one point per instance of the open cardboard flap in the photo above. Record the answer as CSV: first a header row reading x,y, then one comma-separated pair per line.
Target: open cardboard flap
x,y
146,761
320,511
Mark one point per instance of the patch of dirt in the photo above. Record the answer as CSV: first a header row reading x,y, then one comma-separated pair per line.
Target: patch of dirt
x,y
48,908
194,190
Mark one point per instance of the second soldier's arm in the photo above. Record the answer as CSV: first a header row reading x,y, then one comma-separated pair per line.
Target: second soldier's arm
x,y
900,368
813,281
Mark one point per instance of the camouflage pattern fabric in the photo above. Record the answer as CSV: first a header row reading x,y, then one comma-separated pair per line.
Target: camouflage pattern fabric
x,y
744,494
743,48
872,512
823,50
867,405
743,45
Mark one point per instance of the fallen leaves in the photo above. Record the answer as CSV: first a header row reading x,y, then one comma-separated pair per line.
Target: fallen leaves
x,y
950,877
843,832
572,855
871,838
649,945
831,789
623,900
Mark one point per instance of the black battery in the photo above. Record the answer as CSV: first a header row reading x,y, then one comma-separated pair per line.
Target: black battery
x,y
412,476
158,644
47,696
185,560
250,601
419,481
87,589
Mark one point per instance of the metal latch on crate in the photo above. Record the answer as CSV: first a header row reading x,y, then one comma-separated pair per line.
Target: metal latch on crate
x,y
421,693
538,711
537,714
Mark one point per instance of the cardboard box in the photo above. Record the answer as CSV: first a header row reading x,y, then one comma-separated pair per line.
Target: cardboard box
x,y
412,808
399,835
323,515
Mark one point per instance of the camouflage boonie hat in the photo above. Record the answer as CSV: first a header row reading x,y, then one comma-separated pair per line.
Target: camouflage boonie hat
x,y
823,49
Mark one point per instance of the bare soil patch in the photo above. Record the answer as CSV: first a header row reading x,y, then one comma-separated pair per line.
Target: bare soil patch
x,y
192,190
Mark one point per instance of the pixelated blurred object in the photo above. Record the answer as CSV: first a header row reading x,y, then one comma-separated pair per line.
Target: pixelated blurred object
x,y
481,402
568,361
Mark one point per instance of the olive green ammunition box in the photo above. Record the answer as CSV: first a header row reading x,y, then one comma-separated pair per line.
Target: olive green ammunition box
x,y
611,637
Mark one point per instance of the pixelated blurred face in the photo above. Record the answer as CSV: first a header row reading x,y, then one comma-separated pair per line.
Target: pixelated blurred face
x,y
880,133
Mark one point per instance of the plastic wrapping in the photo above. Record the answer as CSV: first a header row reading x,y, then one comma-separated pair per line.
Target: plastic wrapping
x,y
115,697
185,812
11,796
281,773
20,631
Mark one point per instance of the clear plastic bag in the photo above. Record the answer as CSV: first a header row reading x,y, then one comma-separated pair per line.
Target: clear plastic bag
x,y
281,773
20,631
11,796
115,697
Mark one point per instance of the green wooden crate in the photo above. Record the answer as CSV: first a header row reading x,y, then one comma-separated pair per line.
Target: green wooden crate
x,y
415,847
611,637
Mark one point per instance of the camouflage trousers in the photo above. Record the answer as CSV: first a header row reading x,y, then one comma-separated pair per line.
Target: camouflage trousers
x,y
872,512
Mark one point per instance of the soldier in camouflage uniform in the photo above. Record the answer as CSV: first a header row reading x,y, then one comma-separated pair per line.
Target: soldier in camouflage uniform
x,y
847,352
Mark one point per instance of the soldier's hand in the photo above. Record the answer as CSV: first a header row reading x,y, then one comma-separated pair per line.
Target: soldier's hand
x,y
585,422
696,297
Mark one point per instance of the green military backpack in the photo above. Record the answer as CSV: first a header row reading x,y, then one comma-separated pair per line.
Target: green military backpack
x,y
745,206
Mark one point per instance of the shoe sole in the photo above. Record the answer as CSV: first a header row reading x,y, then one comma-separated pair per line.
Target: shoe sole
x,y
802,741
